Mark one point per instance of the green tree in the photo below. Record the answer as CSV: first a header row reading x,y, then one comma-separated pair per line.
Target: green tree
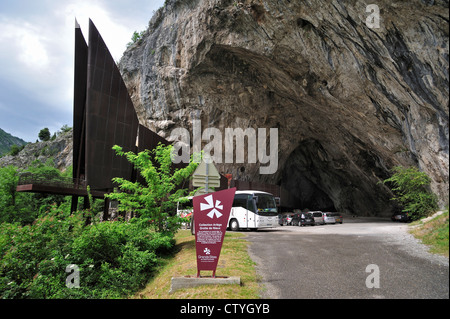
x,y
15,149
65,128
136,37
157,199
24,207
44,134
411,189
8,184
14,206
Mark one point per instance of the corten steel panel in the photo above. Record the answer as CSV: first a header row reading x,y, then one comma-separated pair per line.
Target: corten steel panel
x,y
148,140
79,102
110,117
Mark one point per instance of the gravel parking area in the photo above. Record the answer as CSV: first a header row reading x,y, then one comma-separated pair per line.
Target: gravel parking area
x,y
330,261
385,230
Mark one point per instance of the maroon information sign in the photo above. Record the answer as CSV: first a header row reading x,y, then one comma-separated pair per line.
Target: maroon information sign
x,y
211,213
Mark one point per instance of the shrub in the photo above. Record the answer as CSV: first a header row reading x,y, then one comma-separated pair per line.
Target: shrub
x,y
412,191
15,149
114,258
137,36
29,252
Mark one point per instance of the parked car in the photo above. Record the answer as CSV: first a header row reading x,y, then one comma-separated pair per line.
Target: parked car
x,y
328,218
338,217
285,219
303,219
318,217
288,220
401,217
295,219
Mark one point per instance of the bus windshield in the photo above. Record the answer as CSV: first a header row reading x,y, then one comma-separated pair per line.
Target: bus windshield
x,y
266,205
186,205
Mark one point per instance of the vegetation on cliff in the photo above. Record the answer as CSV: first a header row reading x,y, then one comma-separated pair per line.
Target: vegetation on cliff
x,y
412,191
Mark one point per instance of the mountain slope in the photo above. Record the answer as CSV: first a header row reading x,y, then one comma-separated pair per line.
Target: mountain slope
x,y
7,140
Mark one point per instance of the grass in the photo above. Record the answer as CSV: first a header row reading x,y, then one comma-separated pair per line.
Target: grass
x,y
233,261
434,233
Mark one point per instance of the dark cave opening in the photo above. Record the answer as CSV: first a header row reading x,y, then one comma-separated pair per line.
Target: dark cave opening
x,y
307,196
329,179
302,178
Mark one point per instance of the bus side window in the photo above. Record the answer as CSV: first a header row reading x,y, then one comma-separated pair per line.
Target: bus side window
x,y
240,201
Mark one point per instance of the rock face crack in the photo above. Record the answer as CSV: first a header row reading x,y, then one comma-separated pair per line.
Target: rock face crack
x,y
350,102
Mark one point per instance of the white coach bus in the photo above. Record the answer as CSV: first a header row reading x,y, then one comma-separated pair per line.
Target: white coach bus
x,y
253,209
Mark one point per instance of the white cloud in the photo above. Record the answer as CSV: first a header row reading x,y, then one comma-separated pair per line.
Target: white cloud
x,y
36,52
30,56
27,41
115,35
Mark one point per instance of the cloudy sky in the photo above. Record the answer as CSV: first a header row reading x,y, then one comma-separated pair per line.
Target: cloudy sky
x,y
36,55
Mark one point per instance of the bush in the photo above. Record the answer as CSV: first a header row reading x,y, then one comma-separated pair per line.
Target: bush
x,y
114,258
137,36
412,191
15,149
44,134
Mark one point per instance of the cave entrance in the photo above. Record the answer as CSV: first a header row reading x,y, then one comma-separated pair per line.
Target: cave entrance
x,y
320,176
307,178
306,195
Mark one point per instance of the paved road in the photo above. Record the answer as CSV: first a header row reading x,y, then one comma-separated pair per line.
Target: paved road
x,y
330,262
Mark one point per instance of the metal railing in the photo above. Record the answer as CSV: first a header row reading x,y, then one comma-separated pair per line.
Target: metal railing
x,y
55,181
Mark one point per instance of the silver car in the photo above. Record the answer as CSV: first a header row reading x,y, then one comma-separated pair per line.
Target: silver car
x,y
329,218
318,217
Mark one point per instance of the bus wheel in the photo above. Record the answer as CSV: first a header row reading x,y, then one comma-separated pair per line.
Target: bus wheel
x,y
234,225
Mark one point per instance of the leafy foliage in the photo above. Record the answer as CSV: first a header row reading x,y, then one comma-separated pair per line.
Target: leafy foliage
x,y
25,207
65,128
44,134
15,149
137,36
114,258
156,201
412,190
40,237
14,207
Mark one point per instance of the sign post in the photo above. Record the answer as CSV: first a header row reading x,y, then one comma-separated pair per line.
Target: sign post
x,y
206,176
211,213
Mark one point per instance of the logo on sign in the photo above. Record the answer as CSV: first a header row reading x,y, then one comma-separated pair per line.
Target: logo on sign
x,y
214,208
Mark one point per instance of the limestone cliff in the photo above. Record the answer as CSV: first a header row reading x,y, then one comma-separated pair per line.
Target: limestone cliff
x,y
350,101
59,150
